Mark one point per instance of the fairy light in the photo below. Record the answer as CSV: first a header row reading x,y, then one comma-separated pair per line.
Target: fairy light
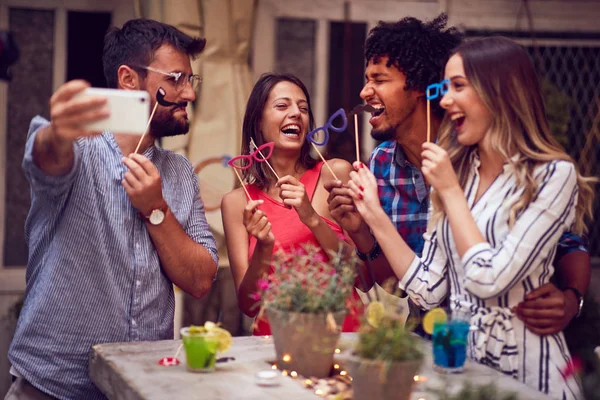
x,y
286,358
294,374
337,351
343,373
284,372
319,392
416,378
336,366
274,366
308,382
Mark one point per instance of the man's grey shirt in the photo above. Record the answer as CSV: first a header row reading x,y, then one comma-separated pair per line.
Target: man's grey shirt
x,y
94,275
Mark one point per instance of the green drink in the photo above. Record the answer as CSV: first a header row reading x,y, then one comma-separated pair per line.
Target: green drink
x,y
200,349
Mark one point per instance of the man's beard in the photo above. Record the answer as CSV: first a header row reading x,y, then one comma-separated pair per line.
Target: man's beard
x,y
164,124
383,135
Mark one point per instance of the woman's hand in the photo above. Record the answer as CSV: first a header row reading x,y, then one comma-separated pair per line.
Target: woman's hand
x,y
365,192
293,193
437,168
257,224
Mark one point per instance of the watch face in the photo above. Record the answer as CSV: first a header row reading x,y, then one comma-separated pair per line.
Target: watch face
x,y
156,217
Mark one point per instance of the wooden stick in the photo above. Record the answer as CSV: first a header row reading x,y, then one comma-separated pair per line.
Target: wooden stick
x,y
327,165
266,161
356,136
242,183
428,122
178,350
147,126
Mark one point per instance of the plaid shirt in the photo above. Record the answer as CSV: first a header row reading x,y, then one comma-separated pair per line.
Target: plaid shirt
x,y
402,192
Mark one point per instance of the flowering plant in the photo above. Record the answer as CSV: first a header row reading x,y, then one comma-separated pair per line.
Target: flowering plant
x,y
305,281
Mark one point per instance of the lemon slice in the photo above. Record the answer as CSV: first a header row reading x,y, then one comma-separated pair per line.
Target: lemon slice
x,y
431,317
375,312
223,337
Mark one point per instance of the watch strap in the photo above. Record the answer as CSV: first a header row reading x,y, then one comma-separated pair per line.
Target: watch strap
x,y
372,254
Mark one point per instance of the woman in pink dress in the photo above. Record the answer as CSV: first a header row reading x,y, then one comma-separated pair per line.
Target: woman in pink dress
x,y
284,213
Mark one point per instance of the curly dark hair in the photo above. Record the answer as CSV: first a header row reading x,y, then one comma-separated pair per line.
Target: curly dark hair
x,y
136,42
419,49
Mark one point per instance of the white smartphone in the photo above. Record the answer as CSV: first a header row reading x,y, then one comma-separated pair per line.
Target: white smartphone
x,y
129,110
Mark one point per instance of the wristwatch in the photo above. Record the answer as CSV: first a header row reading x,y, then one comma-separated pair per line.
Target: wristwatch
x,y
157,216
579,299
372,254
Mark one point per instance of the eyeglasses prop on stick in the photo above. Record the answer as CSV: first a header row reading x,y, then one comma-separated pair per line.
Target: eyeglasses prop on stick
x,y
433,92
243,162
312,135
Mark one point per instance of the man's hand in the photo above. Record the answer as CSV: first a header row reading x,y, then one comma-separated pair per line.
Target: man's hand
x,y
69,114
341,207
142,184
547,310
53,146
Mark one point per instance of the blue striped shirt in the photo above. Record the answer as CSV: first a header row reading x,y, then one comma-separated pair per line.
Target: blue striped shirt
x,y
94,275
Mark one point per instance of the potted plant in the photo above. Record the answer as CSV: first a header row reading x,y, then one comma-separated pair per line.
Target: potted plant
x,y
385,360
305,300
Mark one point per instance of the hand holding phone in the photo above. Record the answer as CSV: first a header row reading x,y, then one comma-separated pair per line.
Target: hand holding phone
x,y
128,110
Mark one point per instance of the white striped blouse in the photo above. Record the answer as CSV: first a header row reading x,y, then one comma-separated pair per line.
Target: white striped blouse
x,y
94,275
493,277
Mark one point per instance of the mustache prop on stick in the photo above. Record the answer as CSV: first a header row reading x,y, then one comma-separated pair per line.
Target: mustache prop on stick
x,y
355,111
160,99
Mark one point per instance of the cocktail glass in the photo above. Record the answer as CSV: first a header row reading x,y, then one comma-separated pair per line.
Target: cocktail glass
x,y
449,342
200,350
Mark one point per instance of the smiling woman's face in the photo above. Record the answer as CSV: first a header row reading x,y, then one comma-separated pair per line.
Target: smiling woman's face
x,y
285,116
464,107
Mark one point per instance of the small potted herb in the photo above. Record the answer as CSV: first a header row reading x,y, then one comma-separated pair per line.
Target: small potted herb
x,y
305,300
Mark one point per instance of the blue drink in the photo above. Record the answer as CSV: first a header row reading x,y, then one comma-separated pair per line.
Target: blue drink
x,y
450,345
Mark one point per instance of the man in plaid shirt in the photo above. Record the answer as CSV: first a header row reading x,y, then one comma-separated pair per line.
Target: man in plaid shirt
x,y
403,58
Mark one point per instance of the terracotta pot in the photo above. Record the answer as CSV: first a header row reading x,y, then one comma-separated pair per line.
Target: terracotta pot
x,y
304,342
378,380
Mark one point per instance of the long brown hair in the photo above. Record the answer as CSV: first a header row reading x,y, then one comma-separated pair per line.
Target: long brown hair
x,y
503,76
258,173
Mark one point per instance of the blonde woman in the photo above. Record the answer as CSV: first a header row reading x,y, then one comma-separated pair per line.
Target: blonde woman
x,y
503,193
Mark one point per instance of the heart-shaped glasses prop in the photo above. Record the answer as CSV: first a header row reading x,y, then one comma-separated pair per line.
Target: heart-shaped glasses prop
x,y
434,91
160,99
355,111
243,162
311,137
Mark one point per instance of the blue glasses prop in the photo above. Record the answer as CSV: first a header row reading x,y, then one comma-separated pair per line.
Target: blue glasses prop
x,y
328,125
437,89
432,92
325,128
